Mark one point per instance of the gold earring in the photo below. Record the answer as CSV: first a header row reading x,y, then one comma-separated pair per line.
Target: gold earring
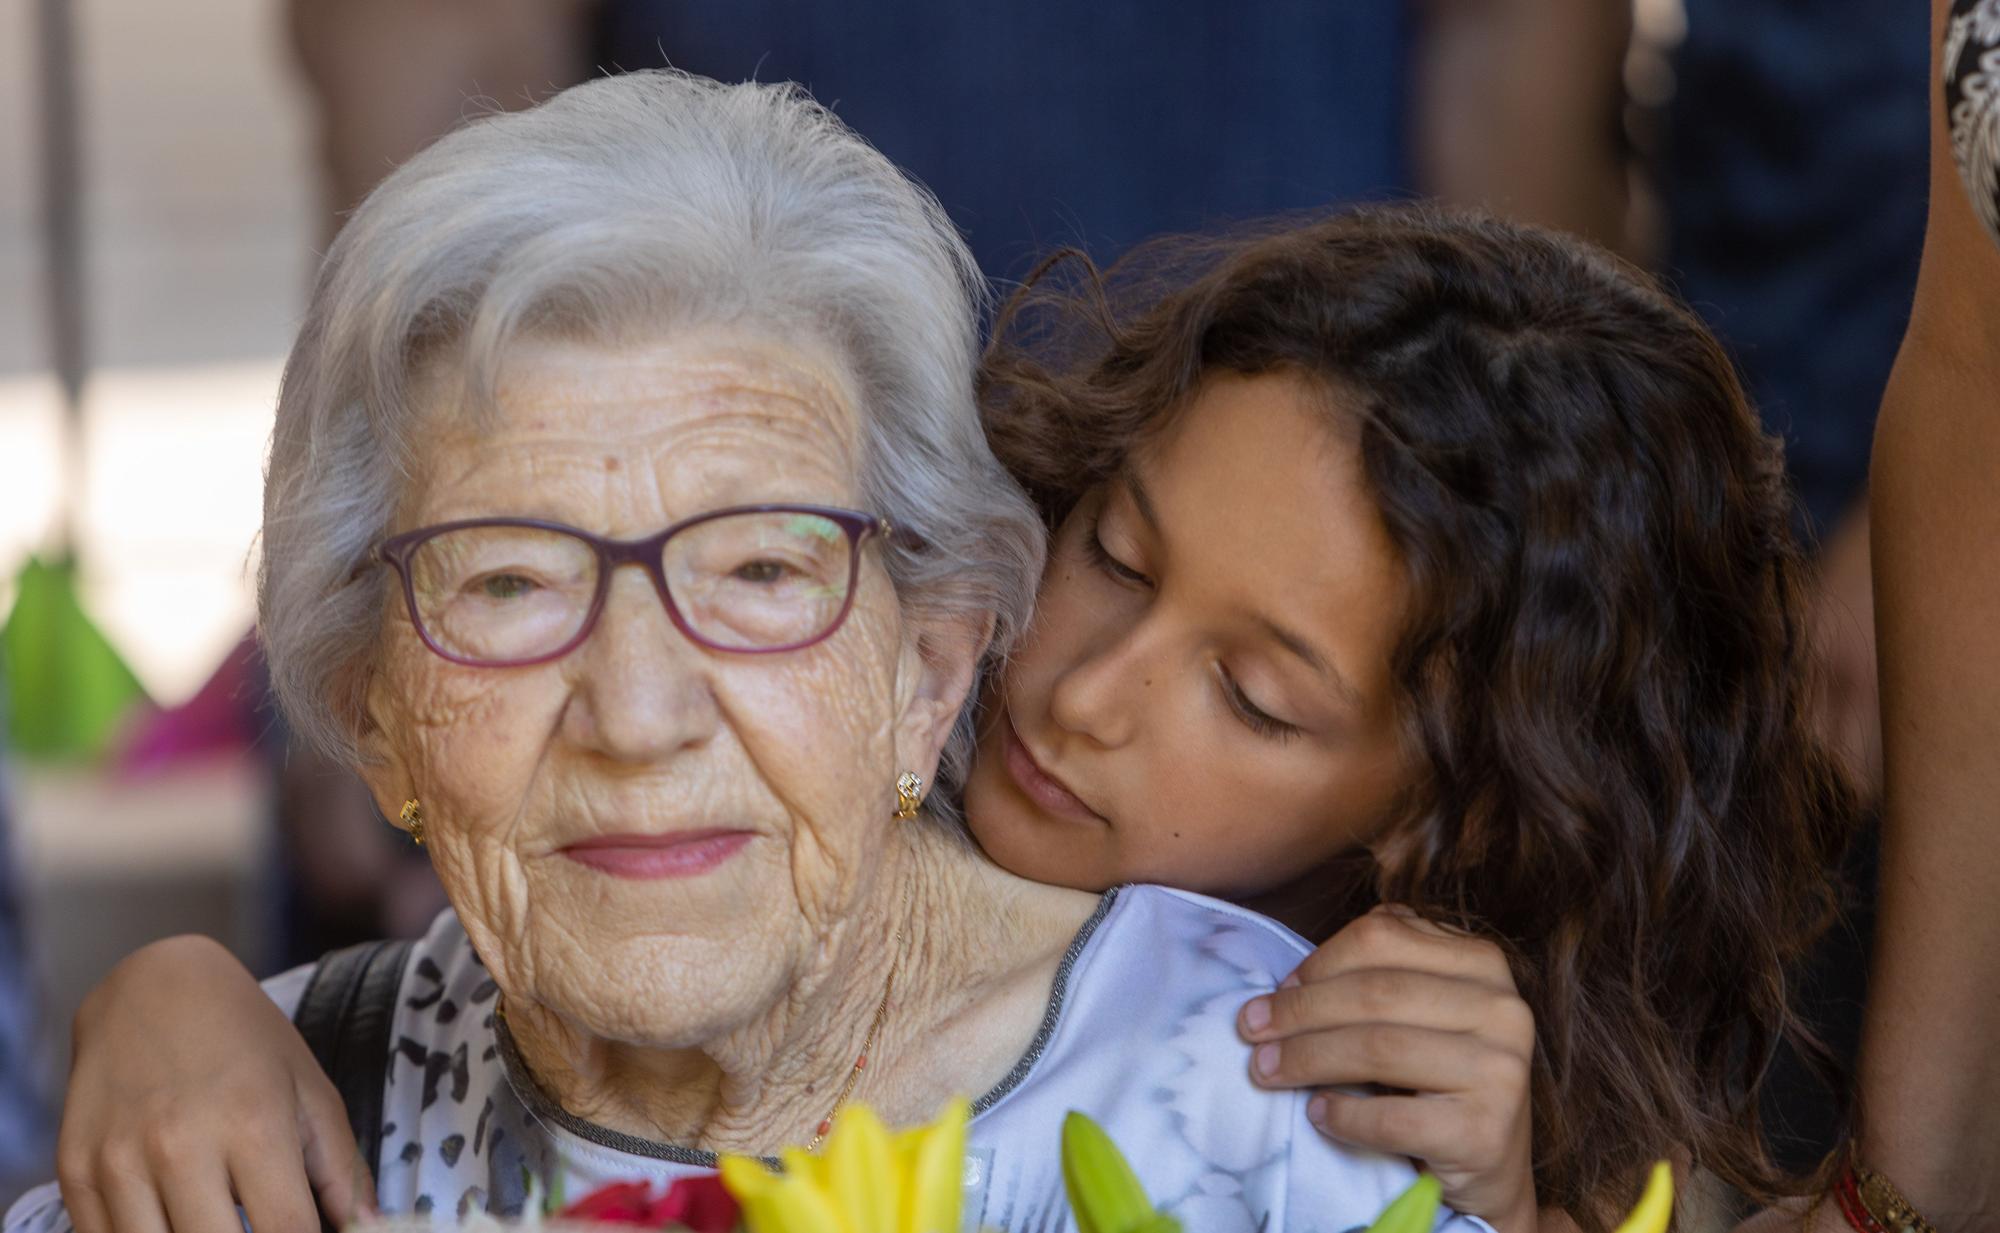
x,y
413,821
909,794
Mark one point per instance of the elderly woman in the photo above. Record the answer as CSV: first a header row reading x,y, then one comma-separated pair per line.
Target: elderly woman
x,y
629,527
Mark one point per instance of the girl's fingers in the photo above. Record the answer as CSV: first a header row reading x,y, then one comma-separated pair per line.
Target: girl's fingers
x,y
1392,937
1392,995
333,1165
82,1199
198,1200
274,1194
131,1203
1424,1127
1390,1054
77,1176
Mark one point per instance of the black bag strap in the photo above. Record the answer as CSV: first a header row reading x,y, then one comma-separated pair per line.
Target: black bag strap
x,y
346,1016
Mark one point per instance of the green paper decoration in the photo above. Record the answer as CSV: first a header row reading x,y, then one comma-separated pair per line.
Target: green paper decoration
x,y
67,689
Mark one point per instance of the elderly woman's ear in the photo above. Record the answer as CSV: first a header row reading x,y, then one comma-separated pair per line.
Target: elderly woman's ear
x,y
380,764
936,674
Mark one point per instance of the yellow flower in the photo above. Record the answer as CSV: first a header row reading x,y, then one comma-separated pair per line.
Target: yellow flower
x,y
866,1180
1654,1206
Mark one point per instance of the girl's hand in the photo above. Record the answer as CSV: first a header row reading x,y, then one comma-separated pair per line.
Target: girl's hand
x,y
190,1093
1433,1015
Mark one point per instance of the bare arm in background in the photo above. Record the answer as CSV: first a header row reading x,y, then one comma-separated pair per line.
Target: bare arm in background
x,y
391,76
1929,1070
1517,109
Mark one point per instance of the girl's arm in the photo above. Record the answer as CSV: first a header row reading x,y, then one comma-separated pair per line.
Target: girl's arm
x,y
1397,1001
190,1094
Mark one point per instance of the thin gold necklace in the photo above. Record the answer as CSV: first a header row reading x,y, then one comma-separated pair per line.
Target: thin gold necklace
x,y
868,1041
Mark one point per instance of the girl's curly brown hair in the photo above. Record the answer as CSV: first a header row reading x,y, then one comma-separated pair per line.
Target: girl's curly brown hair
x,y
1604,673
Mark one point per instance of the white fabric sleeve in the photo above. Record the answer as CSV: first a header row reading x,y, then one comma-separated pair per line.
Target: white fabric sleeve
x,y
38,1211
288,989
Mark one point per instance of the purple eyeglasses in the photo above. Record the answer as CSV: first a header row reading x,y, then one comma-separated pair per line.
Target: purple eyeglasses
x,y
750,579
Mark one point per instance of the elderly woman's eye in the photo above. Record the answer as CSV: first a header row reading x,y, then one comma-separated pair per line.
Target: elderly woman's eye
x,y
762,572
505,586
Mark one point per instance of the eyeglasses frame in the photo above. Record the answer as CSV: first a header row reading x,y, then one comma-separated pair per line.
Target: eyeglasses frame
x,y
648,554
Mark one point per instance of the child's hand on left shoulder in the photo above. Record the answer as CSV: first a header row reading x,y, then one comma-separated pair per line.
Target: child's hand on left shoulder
x,y
1396,1001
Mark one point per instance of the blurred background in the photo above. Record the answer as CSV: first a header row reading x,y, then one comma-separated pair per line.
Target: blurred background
x,y
169,172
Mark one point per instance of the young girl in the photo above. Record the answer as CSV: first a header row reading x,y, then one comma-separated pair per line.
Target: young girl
x,y
1401,562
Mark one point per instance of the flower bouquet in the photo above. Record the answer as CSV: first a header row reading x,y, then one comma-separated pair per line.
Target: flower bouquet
x,y
870,1180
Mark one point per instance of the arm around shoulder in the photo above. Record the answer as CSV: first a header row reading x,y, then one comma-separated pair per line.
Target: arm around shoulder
x,y
191,1094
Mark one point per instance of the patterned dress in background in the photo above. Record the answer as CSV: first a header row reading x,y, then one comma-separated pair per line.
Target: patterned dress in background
x,y
1970,64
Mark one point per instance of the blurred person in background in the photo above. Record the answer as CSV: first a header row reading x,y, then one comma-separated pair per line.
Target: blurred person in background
x,y
1929,1083
388,77
1927,1135
1792,183
1046,123
1792,177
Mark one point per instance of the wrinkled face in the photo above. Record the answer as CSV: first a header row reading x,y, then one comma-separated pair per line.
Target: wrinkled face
x,y
647,837
1205,697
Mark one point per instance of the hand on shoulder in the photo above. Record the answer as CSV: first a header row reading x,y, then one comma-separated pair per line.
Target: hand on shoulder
x,y
1433,1016
189,1094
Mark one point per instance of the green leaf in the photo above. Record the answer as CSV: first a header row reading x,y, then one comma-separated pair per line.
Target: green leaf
x,y
1413,1211
1104,1193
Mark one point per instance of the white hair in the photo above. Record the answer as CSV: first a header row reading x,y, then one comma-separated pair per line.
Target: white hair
x,y
629,205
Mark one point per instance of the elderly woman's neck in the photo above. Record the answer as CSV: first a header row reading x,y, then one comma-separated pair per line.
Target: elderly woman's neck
x,y
938,976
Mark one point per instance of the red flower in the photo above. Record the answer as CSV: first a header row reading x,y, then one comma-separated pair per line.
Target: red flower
x,y
701,1203
618,1203
698,1203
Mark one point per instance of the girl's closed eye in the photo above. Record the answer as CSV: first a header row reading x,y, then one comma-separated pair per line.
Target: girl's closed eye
x,y
1100,556
1254,717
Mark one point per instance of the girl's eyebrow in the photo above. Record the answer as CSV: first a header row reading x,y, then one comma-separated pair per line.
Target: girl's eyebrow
x,y
1291,640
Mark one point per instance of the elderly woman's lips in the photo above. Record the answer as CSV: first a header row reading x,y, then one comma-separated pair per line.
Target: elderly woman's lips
x,y
641,857
1037,784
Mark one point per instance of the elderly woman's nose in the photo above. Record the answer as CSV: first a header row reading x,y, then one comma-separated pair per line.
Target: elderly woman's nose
x,y
640,686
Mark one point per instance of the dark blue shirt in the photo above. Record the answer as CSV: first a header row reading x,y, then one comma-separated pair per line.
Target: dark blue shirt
x,y
1040,123
1796,181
